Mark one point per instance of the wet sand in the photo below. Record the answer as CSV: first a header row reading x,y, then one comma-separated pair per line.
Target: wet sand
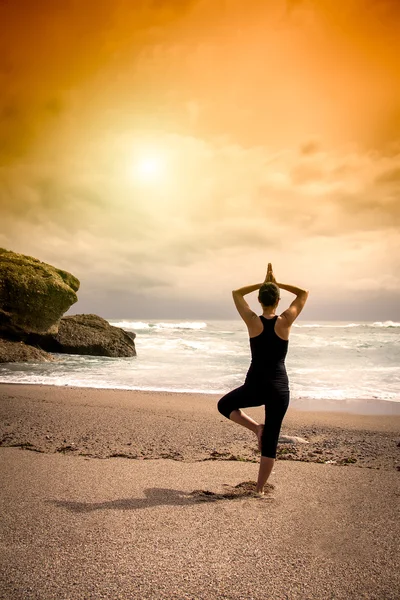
x,y
168,512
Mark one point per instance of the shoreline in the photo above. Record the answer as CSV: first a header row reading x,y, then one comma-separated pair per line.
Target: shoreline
x,y
358,406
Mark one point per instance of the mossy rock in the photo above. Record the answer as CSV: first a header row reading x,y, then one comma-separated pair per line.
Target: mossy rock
x,y
33,295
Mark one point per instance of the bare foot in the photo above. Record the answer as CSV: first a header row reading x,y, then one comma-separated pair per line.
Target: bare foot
x,y
260,429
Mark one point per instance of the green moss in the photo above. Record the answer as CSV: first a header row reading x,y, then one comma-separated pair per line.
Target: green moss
x,y
33,294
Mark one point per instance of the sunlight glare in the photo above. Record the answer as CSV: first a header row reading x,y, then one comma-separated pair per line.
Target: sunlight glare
x,y
149,169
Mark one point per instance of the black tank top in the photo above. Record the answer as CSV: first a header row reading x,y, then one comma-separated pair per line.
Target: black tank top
x,y
268,352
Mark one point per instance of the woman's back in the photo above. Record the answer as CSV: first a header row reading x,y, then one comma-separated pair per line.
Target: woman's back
x,y
268,352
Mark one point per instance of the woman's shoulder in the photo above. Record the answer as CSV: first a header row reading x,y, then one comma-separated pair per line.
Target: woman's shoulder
x,y
281,328
256,327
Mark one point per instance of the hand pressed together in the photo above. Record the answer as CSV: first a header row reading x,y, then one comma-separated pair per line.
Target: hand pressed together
x,y
269,278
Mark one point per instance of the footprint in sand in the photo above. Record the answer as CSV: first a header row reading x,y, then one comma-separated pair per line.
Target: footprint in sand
x,y
246,489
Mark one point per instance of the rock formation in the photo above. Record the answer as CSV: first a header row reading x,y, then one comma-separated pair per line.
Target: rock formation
x,y
88,334
33,295
33,298
20,352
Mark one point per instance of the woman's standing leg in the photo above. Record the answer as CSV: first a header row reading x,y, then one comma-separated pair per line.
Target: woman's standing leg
x,y
275,411
266,466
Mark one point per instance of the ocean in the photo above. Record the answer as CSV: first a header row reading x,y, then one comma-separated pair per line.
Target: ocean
x,y
326,360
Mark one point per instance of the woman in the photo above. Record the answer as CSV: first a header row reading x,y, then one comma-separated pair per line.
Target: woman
x,y
266,381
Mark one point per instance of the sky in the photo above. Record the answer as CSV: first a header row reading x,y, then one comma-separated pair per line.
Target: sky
x,y
164,151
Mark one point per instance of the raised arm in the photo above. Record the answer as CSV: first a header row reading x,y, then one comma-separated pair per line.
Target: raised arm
x,y
243,308
291,313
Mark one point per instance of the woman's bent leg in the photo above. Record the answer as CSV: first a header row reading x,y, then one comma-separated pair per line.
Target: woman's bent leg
x,y
230,406
239,417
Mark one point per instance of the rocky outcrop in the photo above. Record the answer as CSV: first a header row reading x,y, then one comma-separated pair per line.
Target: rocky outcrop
x,y
20,352
33,295
33,298
90,335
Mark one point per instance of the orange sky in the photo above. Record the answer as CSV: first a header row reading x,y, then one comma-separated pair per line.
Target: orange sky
x,y
165,151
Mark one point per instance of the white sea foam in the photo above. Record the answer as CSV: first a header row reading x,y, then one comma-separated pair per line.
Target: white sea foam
x,y
385,324
195,345
130,324
330,326
346,325
141,325
194,325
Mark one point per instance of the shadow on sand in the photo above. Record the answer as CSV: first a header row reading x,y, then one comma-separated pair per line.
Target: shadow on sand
x,y
168,497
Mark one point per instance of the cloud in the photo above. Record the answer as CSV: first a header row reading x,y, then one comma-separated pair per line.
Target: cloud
x,y
277,126
215,199
310,147
390,176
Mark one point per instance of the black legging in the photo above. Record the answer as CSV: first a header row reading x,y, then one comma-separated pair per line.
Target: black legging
x,y
276,403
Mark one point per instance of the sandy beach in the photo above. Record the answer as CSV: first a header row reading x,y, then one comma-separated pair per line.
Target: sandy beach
x,y
121,494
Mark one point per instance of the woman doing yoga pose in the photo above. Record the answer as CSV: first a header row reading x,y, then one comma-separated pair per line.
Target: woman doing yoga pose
x,y
266,380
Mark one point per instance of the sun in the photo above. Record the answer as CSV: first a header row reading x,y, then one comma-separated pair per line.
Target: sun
x,y
149,169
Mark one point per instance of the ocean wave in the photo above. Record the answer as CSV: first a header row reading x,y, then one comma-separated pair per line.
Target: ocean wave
x,y
195,345
193,325
135,325
385,324
377,324
319,325
130,324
